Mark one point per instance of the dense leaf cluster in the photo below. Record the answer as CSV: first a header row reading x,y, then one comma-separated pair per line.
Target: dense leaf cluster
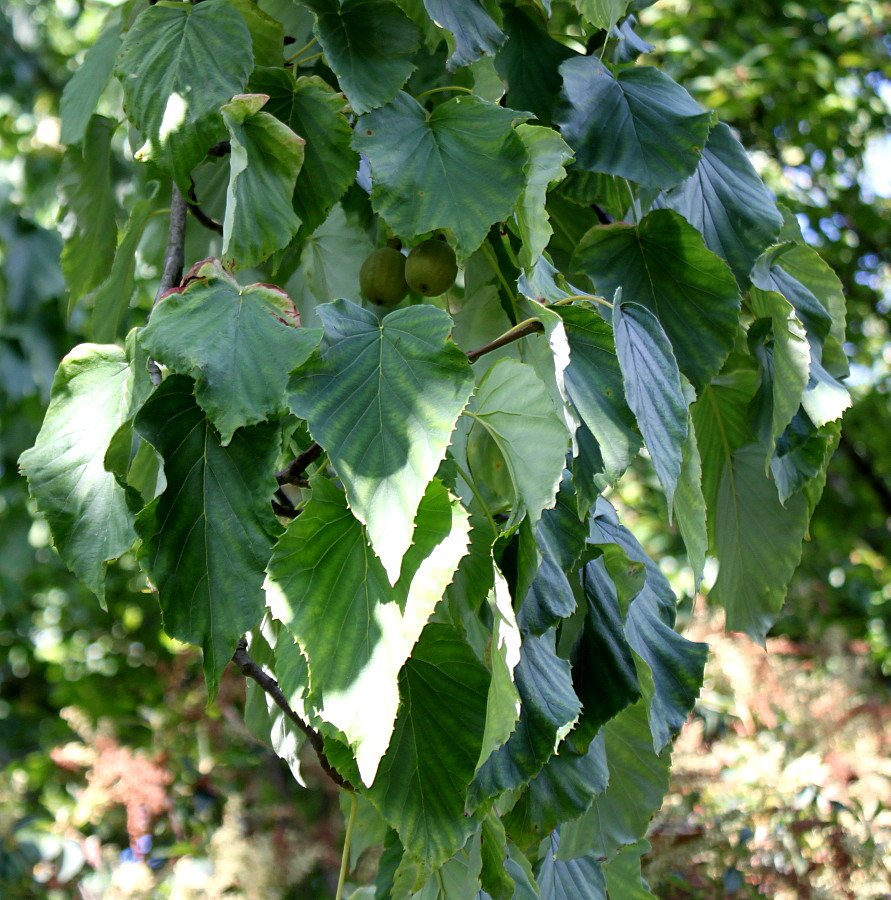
x,y
485,651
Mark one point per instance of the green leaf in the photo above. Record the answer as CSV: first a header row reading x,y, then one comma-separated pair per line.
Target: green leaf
x,y
638,780
238,343
549,708
355,630
727,201
547,155
312,109
88,200
623,878
757,542
369,44
602,13
595,386
430,761
85,507
529,62
689,501
172,50
638,124
569,879
653,389
460,167
267,34
206,539
112,298
473,30
663,264
81,94
382,399
514,407
265,159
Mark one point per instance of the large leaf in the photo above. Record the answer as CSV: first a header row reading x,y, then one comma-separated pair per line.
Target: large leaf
x,y
171,49
689,501
529,62
473,30
548,154
663,264
757,542
569,879
513,407
85,184
602,13
549,708
653,388
238,343
312,109
112,298
430,761
638,124
369,44
81,94
459,167
382,399
356,630
84,505
595,386
206,539
264,161
727,201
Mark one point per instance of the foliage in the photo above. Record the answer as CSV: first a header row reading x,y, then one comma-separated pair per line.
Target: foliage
x,y
433,552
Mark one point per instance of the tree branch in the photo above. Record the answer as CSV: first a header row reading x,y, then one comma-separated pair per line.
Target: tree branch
x,y
174,258
199,213
293,474
250,669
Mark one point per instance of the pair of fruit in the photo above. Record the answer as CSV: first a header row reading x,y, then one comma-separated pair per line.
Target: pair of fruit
x,y
387,276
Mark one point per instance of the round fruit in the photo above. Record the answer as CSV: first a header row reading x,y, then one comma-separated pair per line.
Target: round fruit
x,y
382,277
430,269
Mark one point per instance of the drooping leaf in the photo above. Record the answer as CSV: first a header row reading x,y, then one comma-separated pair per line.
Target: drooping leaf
x,y
548,154
206,539
594,384
89,202
663,264
689,501
529,62
112,298
382,399
356,630
473,30
369,44
422,779
623,878
638,124
238,343
459,167
602,13
578,878
653,389
513,407
727,201
267,33
757,542
264,161
81,94
549,708
85,507
172,48
312,109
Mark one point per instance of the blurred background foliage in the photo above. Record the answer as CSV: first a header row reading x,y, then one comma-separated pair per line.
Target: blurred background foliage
x,y
117,781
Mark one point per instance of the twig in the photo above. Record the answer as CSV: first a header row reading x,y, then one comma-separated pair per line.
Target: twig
x,y
174,257
530,326
250,669
293,474
602,216
199,213
221,148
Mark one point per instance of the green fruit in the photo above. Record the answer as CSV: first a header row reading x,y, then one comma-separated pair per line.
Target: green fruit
x,y
430,269
382,277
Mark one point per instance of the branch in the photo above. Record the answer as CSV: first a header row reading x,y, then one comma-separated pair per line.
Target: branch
x,y
293,474
530,326
199,213
602,216
250,669
174,257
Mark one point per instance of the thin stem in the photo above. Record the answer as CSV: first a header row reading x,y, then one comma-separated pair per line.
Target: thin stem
x,y
302,50
566,300
489,253
439,90
527,327
251,670
196,210
344,859
476,495
309,59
